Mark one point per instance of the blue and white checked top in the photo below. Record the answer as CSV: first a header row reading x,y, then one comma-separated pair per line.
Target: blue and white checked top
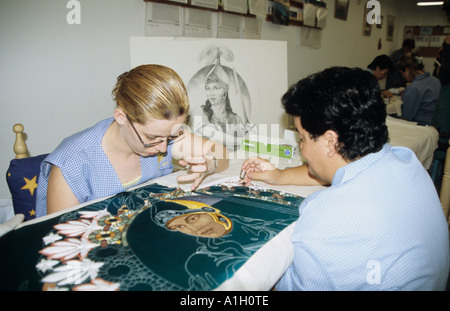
x,y
379,226
87,169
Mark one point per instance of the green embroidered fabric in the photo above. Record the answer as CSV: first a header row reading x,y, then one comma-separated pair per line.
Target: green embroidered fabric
x,y
154,238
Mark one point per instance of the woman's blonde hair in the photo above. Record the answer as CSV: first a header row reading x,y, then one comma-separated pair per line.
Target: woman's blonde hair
x,y
151,91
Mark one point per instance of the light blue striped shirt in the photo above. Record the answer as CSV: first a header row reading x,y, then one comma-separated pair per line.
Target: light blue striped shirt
x,y
379,226
87,169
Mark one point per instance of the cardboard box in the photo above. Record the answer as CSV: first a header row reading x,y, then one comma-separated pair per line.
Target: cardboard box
x,y
280,148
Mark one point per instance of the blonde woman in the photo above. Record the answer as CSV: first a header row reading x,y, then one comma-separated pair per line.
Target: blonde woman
x,y
135,145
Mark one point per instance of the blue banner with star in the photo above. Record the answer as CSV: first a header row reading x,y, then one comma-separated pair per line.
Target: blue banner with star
x,y
22,179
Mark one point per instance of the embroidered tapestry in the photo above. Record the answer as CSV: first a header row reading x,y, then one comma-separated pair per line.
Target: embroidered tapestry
x,y
154,238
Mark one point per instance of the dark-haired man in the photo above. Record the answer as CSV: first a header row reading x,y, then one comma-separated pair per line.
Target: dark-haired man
x,y
380,66
380,225
407,46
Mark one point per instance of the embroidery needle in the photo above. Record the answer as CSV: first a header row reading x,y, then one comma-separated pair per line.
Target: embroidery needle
x,y
242,176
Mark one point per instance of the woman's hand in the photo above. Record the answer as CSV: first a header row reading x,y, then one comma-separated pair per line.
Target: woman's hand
x,y
201,157
198,168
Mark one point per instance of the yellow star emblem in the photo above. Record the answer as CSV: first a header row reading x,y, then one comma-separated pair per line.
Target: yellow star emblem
x,y
32,213
30,184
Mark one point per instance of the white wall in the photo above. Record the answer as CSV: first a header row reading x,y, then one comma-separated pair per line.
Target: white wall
x,y
342,41
57,78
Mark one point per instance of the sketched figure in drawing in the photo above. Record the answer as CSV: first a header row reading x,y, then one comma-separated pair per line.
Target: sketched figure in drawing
x,y
225,113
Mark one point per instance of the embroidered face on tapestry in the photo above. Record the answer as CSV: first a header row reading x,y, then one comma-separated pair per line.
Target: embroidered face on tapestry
x,y
194,218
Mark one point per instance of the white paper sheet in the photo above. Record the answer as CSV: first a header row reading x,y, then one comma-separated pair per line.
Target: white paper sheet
x,y
258,7
158,15
237,6
309,14
311,37
321,15
229,26
251,28
259,66
198,23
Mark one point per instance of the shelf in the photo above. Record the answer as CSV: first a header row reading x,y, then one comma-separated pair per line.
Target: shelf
x,y
292,22
189,5
297,4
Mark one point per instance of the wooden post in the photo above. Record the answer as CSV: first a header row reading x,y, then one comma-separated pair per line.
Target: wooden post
x,y
20,147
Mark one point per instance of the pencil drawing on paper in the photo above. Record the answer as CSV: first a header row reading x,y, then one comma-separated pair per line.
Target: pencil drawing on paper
x,y
224,111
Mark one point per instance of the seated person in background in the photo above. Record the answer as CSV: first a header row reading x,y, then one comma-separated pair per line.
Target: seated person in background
x,y
380,225
420,98
380,68
394,78
135,145
407,48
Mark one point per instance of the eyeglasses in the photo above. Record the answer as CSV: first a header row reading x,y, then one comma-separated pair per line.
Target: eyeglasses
x,y
169,139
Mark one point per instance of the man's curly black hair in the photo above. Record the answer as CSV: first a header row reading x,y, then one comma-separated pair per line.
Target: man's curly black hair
x,y
345,100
